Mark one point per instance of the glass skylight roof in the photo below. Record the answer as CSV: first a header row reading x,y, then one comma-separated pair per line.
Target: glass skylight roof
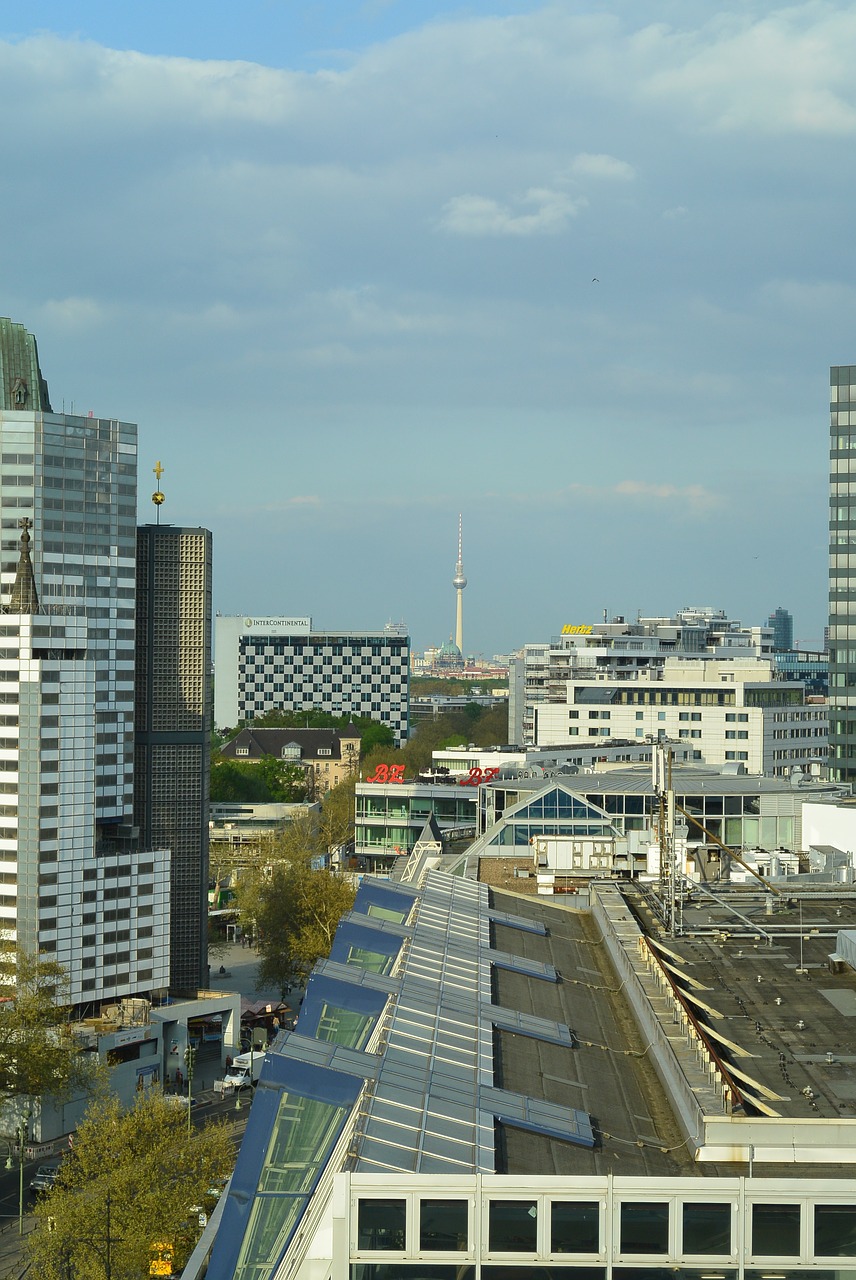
x,y
427,1101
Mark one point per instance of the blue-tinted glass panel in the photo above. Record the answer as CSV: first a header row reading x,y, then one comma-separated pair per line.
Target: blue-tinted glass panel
x,y
373,961
344,1026
301,1136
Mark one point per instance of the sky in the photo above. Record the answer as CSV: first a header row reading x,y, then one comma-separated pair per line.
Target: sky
x,y
575,271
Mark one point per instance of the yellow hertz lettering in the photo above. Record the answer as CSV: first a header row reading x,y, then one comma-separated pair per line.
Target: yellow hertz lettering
x,y
576,631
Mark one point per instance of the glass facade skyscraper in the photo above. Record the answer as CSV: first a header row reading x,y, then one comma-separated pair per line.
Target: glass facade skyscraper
x,y
842,573
73,881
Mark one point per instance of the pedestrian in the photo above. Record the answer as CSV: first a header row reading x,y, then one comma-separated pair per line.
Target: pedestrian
x,y
179,1078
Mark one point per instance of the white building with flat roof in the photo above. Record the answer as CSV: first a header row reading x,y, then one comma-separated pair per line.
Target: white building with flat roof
x,y
283,664
730,711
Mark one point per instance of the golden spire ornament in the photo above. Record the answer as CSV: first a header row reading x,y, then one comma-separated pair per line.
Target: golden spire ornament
x,y
157,496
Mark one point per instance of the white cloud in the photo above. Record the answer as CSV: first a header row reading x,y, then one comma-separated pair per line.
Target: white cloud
x,y
471,215
789,71
70,314
586,165
629,494
819,297
365,313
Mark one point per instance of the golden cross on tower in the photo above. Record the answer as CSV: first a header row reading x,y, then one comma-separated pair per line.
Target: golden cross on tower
x,y
157,496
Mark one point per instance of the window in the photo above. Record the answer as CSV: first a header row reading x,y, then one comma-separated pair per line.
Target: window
x,y
835,1230
381,1224
644,1227
443,1224
776,1230
242,751
574,1226
513,1226
707,1228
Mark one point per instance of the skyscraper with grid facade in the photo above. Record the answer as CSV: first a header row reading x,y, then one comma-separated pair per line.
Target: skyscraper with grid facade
x,y
173,728
842,573
73,880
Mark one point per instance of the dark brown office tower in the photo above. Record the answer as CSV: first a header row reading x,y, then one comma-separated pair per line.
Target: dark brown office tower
x,y
173,729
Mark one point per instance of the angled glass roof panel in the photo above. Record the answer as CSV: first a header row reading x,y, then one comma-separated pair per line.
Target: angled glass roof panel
x,y
557,803
377,898
296,1118
368,948
342,1012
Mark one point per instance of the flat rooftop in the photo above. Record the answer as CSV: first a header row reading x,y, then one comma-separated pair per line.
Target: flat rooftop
x,y
755,969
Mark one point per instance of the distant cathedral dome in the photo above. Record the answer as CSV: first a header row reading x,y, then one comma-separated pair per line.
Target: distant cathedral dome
x,y
449,655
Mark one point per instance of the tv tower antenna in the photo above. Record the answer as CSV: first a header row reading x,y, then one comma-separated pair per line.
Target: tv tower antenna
x,y
459,582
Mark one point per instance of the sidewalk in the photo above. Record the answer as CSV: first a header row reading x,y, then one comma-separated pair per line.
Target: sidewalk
x,y
241,965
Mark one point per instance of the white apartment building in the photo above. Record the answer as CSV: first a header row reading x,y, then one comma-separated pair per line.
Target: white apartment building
x,y
621,649
729,711
283,664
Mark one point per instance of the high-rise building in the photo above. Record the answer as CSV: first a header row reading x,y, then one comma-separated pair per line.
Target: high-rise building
x,y
842,573
783,629
75,883
173,728
282,664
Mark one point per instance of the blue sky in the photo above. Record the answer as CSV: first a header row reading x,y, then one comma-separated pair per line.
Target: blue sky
x,y
575,270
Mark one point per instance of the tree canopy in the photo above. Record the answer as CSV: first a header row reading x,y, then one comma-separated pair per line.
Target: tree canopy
x,y
130,1181
294,901
38,1053
485,726
296,909
269,780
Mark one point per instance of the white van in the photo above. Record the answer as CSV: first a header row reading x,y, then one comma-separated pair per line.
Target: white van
x,y
245,1070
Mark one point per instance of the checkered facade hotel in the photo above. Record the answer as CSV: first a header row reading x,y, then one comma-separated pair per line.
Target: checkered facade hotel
x,y
270,664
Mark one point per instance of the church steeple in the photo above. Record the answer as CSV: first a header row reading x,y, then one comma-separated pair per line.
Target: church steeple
x,y
21,383
25,597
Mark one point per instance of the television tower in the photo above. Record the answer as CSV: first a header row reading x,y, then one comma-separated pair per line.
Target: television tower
x,y
459,582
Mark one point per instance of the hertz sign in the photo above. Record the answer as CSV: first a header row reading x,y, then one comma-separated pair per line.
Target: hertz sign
x,y
576,631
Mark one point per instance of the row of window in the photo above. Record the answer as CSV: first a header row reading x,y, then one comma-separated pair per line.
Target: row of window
x,y
645,1228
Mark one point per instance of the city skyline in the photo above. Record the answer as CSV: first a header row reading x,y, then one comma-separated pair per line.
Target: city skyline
x,y
355,270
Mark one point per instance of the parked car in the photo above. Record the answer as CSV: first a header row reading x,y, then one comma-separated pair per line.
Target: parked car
x,y
44,1177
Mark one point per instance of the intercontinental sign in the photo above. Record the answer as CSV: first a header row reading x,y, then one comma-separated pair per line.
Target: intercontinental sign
x,y
277,624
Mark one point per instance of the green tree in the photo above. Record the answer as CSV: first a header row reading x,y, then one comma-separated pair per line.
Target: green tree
x,y
131,1180
260,782
38,1052
295,907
